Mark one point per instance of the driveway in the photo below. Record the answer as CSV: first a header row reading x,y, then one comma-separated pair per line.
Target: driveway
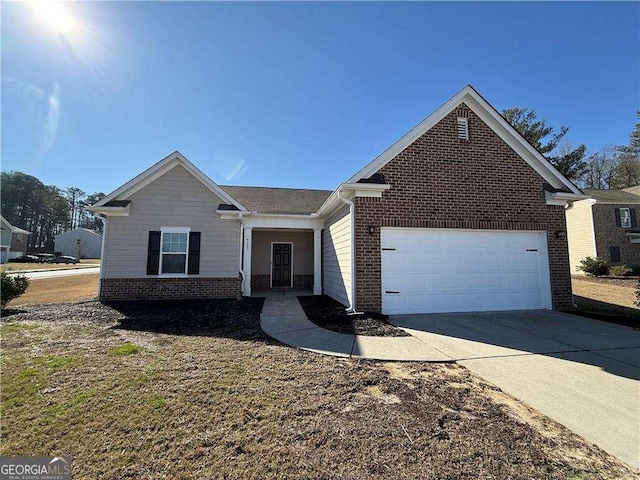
x,y
583,373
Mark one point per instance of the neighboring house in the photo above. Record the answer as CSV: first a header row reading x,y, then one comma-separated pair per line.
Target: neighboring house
x,y
460,214
14,241
606,226
79,243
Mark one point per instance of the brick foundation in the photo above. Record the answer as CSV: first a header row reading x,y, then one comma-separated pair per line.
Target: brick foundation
x,y
262,282
440,181
303,282
154,288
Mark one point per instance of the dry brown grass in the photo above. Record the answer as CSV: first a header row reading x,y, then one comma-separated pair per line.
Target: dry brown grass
x,y
19,267
606,290
225,401
58,290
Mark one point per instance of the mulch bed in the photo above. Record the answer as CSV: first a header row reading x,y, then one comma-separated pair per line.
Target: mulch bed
x,y
327,313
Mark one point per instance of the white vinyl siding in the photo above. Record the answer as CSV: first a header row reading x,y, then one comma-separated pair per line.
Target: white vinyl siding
x,y
79,243
336,256
580,234
175,198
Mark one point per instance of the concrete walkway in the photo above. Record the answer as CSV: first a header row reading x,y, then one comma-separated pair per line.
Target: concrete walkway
x,y
53,273
283,319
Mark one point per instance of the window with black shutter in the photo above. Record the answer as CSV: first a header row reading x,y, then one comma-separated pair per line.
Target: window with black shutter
x,y
173,251
153,253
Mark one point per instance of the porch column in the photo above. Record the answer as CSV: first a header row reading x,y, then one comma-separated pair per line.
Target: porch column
x,y
317,262
246,262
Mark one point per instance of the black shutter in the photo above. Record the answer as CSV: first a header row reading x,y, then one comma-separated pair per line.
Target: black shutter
x,y
634,223
617,212
614,254
194,253
153,253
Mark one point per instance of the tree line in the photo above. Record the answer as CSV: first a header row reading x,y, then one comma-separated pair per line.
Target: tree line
x,y
45,210
613,167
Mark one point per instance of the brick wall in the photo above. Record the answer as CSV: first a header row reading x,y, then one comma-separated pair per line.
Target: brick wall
x,y
440,181
154,288
608,234
262,282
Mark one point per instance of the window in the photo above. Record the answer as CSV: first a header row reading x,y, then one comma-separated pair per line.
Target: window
x,y
463,128
624,217
173,258
614,254
173,251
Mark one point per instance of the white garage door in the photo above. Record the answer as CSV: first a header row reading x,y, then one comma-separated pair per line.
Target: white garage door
x,y
444,270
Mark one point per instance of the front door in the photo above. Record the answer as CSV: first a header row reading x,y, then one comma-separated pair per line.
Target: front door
x,y
281,265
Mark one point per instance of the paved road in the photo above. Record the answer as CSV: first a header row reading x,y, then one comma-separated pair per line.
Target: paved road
x,y
58,273
583,373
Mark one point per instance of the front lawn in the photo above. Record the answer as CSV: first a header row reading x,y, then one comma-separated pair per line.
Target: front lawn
x,y
196,390
611,299
58,290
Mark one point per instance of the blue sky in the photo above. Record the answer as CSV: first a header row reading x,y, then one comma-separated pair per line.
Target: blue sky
x,y
294,94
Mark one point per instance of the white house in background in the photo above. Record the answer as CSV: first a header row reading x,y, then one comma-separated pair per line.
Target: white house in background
x,y
80,243
14,241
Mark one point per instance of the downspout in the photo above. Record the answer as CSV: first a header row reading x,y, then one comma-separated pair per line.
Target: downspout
x,y
103,250
352,302
569,206
240,246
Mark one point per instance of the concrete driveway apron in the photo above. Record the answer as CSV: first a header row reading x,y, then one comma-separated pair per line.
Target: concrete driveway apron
x,y
581,372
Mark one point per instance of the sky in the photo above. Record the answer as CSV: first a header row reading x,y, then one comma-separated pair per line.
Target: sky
x,y
293,94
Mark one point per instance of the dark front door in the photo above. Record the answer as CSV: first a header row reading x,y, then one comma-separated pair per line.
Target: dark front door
x,y
281,266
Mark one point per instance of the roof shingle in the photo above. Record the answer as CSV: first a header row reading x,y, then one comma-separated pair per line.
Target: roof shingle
x,y
613,196
288,201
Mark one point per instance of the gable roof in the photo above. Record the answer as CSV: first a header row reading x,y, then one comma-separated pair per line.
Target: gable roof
x,y
116,198
286,201
14,229
76,230
487,113
613,196
635,190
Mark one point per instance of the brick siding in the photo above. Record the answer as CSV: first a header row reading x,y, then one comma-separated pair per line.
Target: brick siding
x,y
263,282
440,181
608,234
154,288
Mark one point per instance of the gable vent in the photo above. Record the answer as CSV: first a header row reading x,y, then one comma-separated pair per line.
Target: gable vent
x,y
463,128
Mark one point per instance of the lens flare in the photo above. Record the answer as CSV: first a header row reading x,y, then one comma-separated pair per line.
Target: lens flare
x,y
53,14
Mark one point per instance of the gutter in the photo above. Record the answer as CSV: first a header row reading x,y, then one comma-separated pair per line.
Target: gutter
x,y
352,302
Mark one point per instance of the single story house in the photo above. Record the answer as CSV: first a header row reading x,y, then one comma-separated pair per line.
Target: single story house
x,y
13,242
79,243
460,214
605,226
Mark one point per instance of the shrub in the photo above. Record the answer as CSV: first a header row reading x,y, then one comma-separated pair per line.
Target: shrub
x,y
594,266
12,287
619,270
638,293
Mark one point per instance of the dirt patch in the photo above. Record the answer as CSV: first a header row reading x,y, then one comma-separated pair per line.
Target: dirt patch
x,y
327,313
219,399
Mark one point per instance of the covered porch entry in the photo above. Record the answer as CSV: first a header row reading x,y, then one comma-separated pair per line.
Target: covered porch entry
x,y
281,253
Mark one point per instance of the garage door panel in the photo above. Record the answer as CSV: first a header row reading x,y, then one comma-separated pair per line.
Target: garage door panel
x,y
463,270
